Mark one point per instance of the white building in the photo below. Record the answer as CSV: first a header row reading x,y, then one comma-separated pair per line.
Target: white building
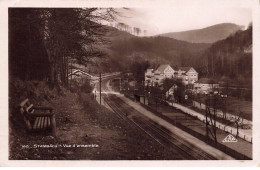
x,y
188,75
149,76
161,73
170,92
205,86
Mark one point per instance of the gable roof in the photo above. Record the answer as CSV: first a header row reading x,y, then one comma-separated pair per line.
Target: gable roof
x,y
166,89
162,67
206,81
186,69
149,70
76,71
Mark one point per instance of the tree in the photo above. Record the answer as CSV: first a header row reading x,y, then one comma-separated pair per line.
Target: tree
x,y
137,30
145,32
238,120
155,95
212,104
138,69
76,39
179,91
27,54
223,105
63,34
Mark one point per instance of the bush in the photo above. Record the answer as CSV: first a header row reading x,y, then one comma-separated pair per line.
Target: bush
x,y
88,102
37,91
82,86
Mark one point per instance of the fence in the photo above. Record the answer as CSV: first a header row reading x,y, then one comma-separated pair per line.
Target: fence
x,y
220,113
200,136
211,142
245,134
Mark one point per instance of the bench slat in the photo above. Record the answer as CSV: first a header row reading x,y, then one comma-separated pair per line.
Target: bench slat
x,y
49,122
29,107
24,102
42,123
45,122
39,123
35,123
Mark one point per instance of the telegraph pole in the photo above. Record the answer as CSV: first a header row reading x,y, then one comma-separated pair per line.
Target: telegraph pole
x,y
144,92
100,88
70,74
207,132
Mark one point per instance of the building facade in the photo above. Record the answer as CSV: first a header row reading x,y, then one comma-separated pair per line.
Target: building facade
x,y
188,75
205,86
153,77
149,76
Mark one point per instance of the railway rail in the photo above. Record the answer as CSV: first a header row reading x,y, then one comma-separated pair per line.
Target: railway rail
x,y
158,133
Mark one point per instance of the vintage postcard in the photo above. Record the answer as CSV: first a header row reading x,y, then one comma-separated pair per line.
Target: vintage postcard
x,y
158,83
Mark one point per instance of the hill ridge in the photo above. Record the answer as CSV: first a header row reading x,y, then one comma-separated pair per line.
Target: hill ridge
x,y
208,34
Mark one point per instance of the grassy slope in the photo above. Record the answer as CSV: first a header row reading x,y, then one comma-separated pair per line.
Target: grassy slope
x,y
80,120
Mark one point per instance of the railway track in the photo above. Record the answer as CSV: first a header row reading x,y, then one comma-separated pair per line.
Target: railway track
x,y
158,133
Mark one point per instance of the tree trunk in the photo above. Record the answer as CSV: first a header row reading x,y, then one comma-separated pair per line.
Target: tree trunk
x,y
52,73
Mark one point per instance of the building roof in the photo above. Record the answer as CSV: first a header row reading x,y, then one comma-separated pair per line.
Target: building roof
x,y
149,70
185,68
206,81
166,89
162,67
76,71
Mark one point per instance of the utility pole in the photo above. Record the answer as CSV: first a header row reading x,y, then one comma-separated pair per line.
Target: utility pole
x,y
95,95
144,92
70,73
100,88
207,132
120,85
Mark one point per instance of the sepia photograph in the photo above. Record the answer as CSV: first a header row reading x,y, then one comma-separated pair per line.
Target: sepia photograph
x,y
130,83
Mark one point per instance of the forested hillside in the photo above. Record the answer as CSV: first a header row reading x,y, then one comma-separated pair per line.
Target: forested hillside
x,y
153,49
205,35
230,58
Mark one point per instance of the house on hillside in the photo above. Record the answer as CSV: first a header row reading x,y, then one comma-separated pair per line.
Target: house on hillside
x,y
162,72
205,86
149,77
169,92
188,75
157,76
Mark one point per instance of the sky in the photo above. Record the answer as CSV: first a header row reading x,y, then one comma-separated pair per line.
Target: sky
x,y
175,19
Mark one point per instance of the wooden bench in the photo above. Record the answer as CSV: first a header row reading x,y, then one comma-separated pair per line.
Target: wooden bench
x,y
38,118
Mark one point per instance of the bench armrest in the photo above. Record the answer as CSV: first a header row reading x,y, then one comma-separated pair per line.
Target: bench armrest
x,y
42,108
